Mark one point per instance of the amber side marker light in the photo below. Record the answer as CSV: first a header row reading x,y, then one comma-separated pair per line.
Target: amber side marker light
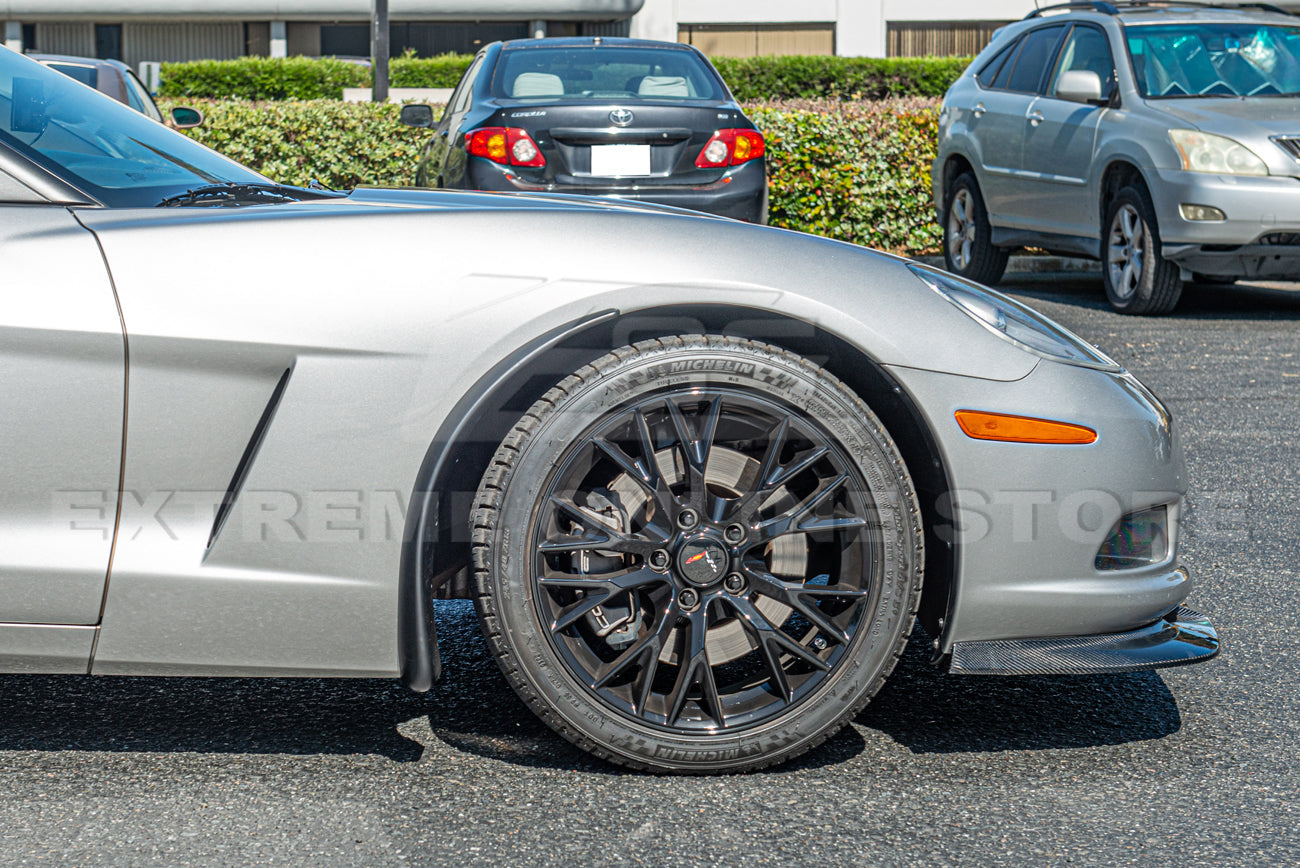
x,y
1021,429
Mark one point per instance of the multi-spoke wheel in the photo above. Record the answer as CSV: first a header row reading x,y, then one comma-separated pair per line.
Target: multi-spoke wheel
x,y
967,236
697,554
1138,279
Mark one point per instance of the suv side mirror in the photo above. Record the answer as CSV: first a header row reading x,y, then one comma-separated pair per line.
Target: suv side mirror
x,y
1079,85
184,117
417,115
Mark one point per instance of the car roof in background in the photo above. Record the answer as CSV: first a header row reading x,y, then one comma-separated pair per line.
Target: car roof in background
x,y
1154,12
82,61
592,42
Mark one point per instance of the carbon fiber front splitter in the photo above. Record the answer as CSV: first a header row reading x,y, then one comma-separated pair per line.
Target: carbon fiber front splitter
x,y
1179,638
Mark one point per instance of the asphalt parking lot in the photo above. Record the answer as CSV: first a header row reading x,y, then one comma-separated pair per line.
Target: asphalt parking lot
x,y
1196,765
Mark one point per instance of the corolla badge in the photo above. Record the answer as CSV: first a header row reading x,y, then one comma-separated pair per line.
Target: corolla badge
x,y
621,117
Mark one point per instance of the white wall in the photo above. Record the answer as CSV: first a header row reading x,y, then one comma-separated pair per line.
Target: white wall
x,y
959,10
860,29
656,20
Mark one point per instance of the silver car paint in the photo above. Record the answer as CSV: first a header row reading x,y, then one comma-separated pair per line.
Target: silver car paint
x,y
1053,197
62,376
381,342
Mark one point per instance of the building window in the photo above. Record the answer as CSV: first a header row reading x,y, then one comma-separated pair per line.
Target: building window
x,y
108,41
754,40
29,38
345,40
939,38
425,38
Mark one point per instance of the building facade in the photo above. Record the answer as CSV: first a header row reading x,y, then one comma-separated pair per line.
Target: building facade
x,y
136,30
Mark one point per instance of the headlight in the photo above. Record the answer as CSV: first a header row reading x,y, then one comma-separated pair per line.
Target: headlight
x,y
1202,152
1013,322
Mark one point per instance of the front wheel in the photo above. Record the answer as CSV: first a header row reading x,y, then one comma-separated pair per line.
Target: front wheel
x,y
1139,280
697,554
967,235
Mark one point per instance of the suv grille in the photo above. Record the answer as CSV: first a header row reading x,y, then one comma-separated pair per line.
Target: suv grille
x,y
1290,144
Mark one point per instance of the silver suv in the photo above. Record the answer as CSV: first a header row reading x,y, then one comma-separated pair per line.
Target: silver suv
x,y
1160,138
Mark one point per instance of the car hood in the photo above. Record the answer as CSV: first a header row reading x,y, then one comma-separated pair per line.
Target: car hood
x,y
1235,117
406,197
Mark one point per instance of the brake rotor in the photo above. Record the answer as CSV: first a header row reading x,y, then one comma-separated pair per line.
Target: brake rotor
x,y
729,473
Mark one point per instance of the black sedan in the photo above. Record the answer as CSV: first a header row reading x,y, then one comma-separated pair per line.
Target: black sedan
x,y
634,119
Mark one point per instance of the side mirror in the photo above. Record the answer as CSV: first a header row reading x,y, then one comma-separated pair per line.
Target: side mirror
x,y
417,115
1079,85
184,117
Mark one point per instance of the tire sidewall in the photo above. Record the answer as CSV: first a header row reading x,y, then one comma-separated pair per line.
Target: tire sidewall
x,y
876,640
1152,295
987,263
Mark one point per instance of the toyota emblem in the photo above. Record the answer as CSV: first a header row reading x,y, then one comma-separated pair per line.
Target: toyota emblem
x,y
621,117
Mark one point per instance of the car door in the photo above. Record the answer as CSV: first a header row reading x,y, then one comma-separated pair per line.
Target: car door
x,y
1060,140
446,153
62,393
1000,117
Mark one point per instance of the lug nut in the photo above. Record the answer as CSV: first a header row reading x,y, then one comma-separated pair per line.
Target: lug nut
x,y
659,559
687,519
688,599
734,533
734,583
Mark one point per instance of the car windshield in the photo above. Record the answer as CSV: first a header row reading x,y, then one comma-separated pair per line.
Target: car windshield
x,y
604,72
1239,59
99,145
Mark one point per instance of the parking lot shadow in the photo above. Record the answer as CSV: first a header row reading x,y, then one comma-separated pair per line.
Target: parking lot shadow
x,y
207,715
1267,300
472,709
928,711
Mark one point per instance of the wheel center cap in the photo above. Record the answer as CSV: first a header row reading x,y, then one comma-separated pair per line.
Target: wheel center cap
x,y
702,561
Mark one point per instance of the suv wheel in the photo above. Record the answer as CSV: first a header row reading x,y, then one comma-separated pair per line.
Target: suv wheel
x,y
1138,279
967,237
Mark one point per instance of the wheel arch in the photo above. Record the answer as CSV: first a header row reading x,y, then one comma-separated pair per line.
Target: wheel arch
x,y
1117,175
435,553
955,165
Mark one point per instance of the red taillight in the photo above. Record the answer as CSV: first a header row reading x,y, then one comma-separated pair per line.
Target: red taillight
x,y
731,148
509,146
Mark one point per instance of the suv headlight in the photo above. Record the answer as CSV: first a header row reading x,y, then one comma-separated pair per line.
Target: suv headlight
x,y
1219,155
1013,322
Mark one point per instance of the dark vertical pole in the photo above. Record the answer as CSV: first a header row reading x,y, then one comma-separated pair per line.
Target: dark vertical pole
x,y
379,49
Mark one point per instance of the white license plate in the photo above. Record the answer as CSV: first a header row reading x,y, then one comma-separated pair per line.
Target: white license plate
x,y
610,161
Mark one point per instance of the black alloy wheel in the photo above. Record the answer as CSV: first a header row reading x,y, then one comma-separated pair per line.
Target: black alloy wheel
x,y
698,554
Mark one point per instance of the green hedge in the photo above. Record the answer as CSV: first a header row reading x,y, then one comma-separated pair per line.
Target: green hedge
x,y
750,78
858,172
855,78
264,78
340,144
854,171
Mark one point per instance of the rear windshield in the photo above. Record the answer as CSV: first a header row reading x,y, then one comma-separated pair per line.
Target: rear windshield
x,y
87,75
1239,59
604,72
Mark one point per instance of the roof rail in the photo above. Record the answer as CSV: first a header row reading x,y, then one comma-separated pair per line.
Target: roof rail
x,y
1114,8
1264,7
1095,5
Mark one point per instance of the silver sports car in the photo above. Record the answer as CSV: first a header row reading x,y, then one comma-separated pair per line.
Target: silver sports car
x,y
700,477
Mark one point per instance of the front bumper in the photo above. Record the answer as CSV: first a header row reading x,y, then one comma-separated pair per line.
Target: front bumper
x,y
1261,212
741,193
1027,520
1179,638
